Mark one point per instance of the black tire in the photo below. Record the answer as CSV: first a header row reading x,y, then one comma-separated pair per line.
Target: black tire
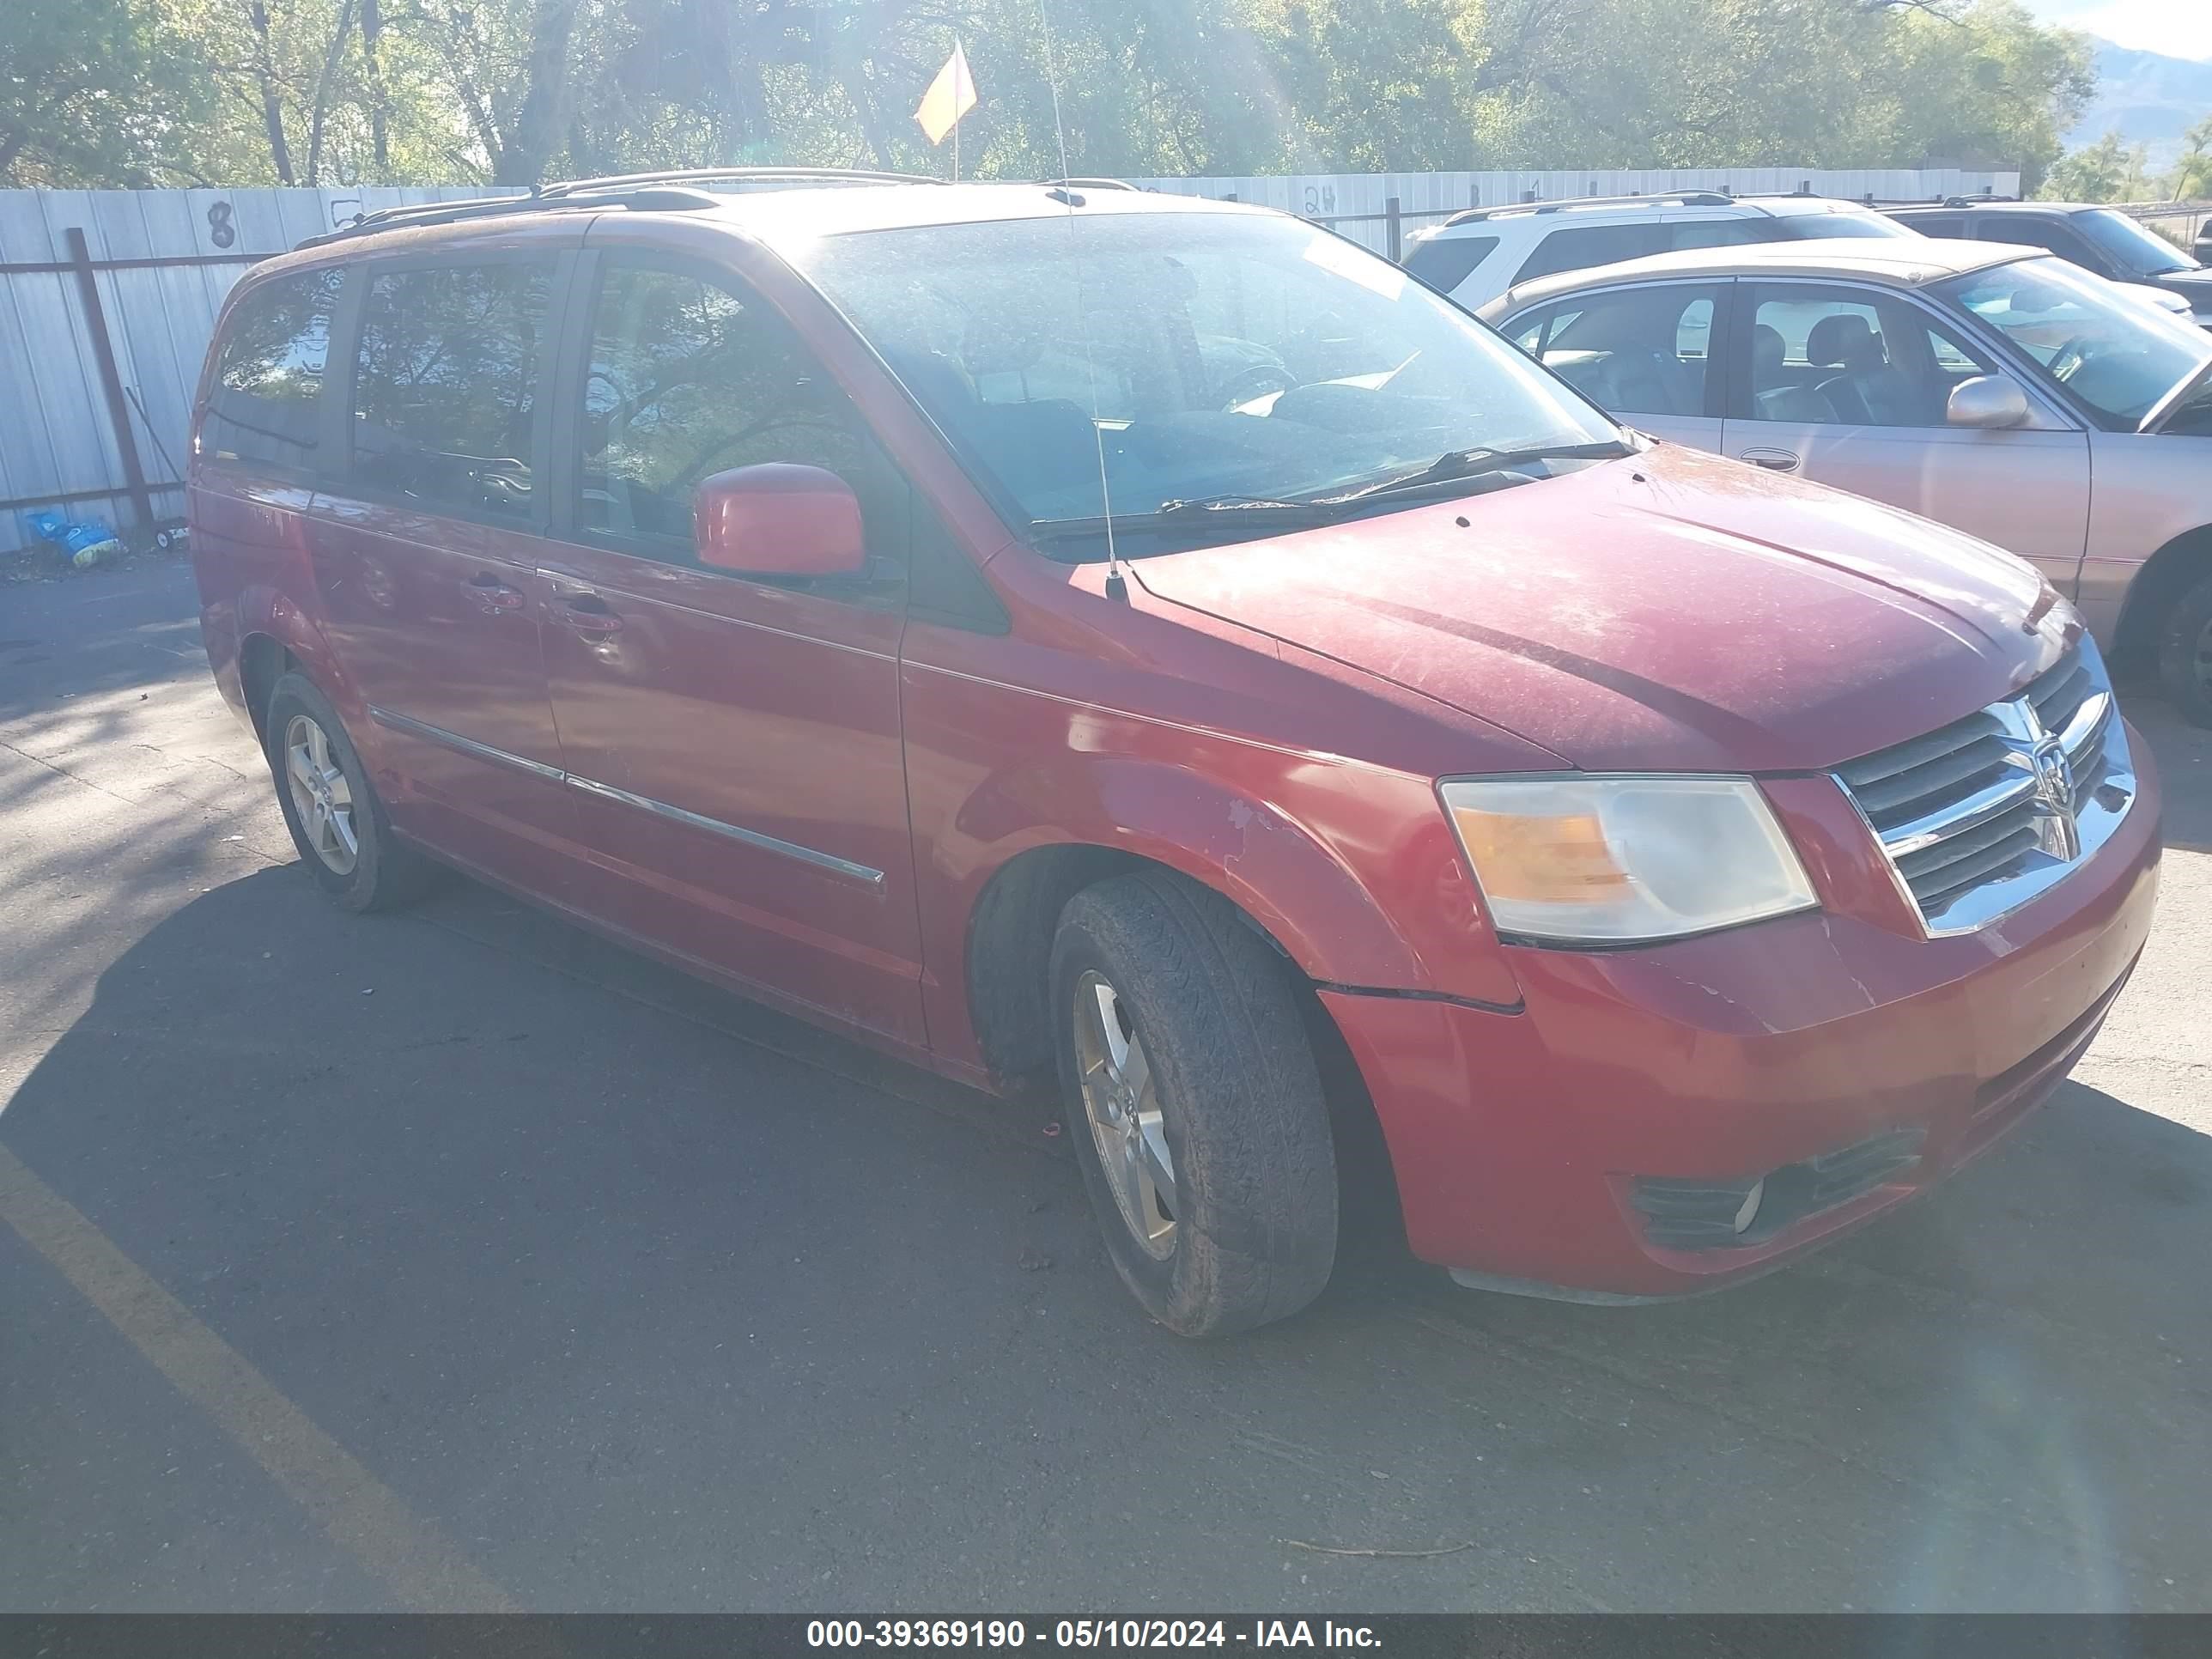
x,y
1239,1098
383,871
2185,653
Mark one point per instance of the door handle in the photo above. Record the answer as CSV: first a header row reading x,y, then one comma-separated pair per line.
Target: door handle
x,y
493,597
563,586
1774,460
579,616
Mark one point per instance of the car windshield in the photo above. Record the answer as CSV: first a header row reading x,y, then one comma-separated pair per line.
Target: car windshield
x,y
2113,353
2135,248
1224,358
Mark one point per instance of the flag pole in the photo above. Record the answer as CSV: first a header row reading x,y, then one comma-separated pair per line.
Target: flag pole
x,y
956,124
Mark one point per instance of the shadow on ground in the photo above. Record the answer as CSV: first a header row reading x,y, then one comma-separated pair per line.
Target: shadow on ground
x,y
659,1301
647,1298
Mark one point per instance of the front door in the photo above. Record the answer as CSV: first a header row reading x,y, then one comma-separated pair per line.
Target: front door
x,y
1639,352
734,745
424,552
1848,386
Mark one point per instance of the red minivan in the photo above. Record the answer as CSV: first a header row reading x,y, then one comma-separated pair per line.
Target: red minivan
x,y
1041,628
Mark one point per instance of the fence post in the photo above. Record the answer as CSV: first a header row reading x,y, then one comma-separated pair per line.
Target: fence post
x,y
1391,217
110,382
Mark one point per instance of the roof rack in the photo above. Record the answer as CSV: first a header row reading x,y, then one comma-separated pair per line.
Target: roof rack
x,y
1089,184
1986,197
758,178
1657,198
677,189
420,215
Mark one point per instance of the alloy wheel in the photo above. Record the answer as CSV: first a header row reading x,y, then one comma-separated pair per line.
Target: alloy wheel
x,y
320,795
1120,1100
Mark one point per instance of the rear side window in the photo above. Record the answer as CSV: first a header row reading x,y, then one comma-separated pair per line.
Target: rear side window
x,y
1723,233
1444,262
446,386
1636,351
267,402
1580,246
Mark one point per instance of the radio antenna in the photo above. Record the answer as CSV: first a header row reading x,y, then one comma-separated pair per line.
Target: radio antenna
x,y
1117,586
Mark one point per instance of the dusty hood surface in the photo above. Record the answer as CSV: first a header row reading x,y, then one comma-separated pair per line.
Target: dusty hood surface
x,y
1669,611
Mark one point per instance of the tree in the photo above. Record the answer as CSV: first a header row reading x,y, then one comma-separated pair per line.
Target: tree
x,y
2106,171
2191,177
82,101
515,91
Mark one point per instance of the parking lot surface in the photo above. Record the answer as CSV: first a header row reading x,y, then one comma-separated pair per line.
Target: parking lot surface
x,y
455,1258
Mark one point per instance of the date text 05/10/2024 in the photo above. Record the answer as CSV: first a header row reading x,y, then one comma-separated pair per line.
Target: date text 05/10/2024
x,y
1005,1634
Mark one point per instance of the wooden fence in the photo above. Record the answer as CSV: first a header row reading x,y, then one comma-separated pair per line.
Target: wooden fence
x,y
108,298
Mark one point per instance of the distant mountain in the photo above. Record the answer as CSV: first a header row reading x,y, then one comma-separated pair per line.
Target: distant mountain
x,y
2149,98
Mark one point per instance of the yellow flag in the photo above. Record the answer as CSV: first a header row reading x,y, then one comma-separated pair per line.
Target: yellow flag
x,y
951,96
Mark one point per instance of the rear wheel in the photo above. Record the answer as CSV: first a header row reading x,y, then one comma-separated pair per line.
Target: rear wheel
x,y
345,840
2185,653
1198,1111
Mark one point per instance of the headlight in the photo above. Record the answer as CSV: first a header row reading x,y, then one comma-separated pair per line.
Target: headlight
x,y
1621,861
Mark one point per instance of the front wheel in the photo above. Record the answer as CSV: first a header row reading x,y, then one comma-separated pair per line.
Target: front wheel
x,y
1198,1112
2185,653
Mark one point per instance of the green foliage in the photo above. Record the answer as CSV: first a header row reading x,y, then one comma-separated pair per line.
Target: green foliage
x,y
2106,171
85,92
399,91
2191,178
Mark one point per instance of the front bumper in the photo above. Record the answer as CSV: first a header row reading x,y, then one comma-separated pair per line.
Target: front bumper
x,y
1528,1146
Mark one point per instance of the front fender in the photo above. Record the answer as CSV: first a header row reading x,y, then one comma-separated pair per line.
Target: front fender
x,y
1350,869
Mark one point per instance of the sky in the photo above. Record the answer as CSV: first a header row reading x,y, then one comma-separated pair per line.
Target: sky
x,y
2180,28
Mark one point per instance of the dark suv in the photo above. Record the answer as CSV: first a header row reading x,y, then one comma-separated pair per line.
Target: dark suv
x,y
2099,238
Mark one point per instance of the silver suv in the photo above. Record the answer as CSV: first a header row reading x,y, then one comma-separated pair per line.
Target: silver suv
x,y
1477,255
1992,388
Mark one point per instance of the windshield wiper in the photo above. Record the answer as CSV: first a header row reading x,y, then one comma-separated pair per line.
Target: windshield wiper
x,y
1269,512
1455,464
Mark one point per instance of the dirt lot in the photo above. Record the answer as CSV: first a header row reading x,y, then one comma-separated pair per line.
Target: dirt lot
x,y
457,1259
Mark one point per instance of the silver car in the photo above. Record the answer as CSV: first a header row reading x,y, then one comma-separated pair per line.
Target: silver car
x,y
1989,386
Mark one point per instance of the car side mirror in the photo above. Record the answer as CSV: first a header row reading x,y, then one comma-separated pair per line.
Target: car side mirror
x,y
778,520
1988,401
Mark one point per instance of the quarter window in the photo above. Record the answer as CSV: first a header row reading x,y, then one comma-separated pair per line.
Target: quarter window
x,y
266,406
1577,247
688,378
445,387
1444,262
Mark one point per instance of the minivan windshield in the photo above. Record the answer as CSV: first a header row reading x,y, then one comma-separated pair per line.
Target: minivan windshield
x,y
2138,250
1223,360
2115,354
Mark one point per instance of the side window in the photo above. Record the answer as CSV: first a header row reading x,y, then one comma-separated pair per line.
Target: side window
x,y
1840,357
1577,247
688,378
266,404
1632,351
2043,234
1444,262
1724,233
446,386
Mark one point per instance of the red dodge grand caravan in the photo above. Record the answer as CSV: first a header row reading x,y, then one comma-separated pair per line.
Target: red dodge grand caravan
x,y
1044,629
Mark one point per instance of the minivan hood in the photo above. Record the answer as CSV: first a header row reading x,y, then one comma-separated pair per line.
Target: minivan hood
x,y
1668,612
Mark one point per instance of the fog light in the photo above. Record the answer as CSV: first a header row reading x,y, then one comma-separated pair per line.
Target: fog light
x,y
1748,1211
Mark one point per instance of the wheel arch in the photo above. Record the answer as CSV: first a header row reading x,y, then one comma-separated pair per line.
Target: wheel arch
x,y
2164,577
276,636
1122,814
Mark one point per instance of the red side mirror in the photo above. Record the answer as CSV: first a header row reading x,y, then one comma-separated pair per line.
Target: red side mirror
x,y
778,521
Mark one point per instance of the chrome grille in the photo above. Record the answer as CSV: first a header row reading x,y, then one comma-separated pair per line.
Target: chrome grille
x,y
1982,815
